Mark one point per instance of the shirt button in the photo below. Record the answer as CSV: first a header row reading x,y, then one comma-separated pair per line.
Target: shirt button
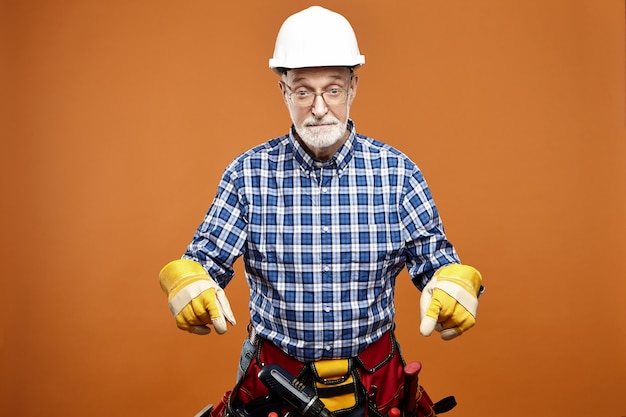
x,y
327,347
325,189
325,228
327,309
326,268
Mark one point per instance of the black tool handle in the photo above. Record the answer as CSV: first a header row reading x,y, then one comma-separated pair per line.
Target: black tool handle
x,y
299,396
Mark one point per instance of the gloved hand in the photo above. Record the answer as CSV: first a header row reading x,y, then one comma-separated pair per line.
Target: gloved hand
x,y
449,301
194,297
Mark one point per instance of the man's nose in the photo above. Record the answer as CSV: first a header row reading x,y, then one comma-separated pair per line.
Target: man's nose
x,y
319,108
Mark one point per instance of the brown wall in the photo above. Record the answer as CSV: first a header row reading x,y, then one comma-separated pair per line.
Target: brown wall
x,y
119,116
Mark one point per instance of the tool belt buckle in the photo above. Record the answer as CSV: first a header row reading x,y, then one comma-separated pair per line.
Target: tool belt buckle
x,y
335,384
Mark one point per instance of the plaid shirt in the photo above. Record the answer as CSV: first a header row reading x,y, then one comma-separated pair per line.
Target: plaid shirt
x,y
322,242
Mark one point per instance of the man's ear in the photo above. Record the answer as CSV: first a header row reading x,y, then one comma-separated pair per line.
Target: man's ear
x,y
283,90
354,82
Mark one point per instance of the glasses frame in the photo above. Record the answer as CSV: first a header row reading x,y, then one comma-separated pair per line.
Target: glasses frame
x,y
315,94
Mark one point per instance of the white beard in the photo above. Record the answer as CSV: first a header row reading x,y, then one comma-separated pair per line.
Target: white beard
x,y
320,137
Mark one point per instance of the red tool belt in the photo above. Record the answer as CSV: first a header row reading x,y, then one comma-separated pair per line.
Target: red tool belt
x,y
376,376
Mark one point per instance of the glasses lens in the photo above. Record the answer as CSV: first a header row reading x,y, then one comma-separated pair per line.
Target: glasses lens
x,y
302,98
334,96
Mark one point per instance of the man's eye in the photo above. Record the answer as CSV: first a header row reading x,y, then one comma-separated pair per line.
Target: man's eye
x,y
302,93
333,91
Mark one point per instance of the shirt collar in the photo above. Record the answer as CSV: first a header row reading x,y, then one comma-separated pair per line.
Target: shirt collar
x,y
339,160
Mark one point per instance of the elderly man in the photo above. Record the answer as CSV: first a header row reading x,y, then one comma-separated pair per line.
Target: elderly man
x,y
325,220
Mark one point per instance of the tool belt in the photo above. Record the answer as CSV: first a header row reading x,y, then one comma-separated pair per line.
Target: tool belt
x,y
375,377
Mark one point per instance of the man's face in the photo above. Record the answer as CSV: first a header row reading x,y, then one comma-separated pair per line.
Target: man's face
x,y
320,121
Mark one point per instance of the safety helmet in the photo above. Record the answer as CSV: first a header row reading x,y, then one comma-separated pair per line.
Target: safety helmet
x,y
315,37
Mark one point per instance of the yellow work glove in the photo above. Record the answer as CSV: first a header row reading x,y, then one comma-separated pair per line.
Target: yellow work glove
x,y
194,297
449,301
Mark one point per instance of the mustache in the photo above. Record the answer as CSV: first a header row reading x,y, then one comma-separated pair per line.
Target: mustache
x,y
327,120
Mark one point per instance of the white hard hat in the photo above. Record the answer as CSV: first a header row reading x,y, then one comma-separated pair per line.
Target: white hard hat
x,y
316,37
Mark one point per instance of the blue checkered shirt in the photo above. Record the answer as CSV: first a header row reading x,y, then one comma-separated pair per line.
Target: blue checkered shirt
x,y
322,242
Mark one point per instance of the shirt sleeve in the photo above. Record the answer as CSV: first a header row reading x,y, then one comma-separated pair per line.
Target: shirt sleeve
x,y
218,241
427,247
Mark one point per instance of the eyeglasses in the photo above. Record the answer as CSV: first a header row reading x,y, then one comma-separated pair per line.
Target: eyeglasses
x,y
306,98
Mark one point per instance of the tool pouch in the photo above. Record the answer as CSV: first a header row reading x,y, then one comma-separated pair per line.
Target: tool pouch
x,y
335,384
250,387
380,369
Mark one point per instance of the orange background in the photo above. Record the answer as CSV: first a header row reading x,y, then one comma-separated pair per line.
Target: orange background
x,y
118,118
